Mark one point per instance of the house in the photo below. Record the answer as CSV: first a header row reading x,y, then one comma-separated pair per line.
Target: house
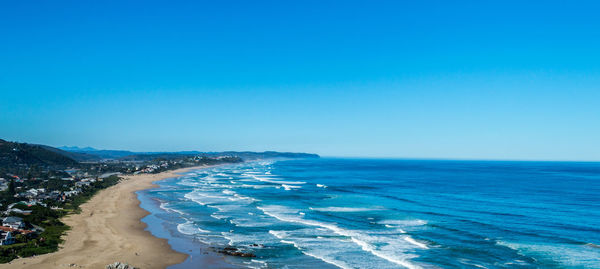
x,y
3,184
6,238
72,193
13,222
7,235
20,211
54,195
82,183
32,192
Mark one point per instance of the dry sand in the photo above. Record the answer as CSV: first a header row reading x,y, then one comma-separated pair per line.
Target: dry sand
x,y
110,229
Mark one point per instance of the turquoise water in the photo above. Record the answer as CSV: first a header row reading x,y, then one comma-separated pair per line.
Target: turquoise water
x,y
368,213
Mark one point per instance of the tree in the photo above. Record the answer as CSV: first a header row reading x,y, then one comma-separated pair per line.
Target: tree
x,y
11,188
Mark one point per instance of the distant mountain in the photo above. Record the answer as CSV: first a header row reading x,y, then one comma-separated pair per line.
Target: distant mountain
x,y
249,155
78,156
77,149
14,155
149,156
246,155
99,153
19,158
124,155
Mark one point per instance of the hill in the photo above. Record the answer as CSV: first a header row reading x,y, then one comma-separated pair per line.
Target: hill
x,y
130,156
78,156
100,153
15,156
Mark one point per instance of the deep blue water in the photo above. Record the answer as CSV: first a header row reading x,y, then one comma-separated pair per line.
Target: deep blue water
x,y
368,213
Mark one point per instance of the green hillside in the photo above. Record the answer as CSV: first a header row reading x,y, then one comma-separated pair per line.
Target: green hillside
x,y
15,156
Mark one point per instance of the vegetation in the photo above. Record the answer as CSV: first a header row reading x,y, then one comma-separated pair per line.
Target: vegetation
x,y
23,158
87,193
49,220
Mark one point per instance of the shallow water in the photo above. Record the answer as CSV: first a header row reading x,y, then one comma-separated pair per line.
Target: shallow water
x,y
368,213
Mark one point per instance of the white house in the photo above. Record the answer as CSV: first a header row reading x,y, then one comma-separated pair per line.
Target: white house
x,y
6,238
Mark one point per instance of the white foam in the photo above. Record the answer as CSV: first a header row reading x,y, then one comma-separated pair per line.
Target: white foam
x,y
238,197
328,245
258,261
278,234
270,180
343,209
202,198
189,228
283,214
395,228
569,255
408,222
217,216
414,242
265,163
228,192
290,187
259,264
250,186
246,222
290,242
469,262
283,234
164,206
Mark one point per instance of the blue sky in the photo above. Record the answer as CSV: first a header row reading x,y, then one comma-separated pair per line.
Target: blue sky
x,y
429,79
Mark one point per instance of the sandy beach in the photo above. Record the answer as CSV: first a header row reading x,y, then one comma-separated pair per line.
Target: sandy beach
x,y
110,229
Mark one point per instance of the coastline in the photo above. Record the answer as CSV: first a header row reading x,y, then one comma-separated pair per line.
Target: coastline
x,y
109,229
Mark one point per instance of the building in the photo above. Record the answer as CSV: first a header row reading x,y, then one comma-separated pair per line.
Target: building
x,y
7,235
6,238
19,211
13,222
82,183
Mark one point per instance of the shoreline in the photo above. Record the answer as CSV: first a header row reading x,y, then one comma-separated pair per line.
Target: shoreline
x,y
109,228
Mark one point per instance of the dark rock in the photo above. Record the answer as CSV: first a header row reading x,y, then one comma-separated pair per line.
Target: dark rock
x,y
119,265
232,251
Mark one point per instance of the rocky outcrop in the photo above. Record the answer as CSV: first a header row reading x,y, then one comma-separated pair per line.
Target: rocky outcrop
x,y
119,265
232,251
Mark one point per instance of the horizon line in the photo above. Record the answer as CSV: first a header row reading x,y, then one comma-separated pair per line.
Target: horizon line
x,y
347,156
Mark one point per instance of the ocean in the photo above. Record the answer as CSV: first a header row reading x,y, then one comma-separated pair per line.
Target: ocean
x,y
381,213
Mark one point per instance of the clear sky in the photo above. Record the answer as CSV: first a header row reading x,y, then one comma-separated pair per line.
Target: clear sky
x,y
426,79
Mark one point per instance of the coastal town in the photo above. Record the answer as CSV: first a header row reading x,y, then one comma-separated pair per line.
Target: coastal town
x,y
39,186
